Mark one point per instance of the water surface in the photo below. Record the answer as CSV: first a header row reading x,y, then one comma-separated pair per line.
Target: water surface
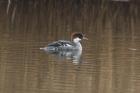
x,y
110,59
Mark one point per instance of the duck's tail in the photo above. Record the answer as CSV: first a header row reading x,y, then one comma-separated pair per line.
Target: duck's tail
x,y
49,49
43,48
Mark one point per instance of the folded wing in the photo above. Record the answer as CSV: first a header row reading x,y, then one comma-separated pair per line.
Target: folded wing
x,y
61,43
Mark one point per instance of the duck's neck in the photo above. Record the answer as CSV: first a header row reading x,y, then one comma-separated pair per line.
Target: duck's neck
x,y
79,46
77,43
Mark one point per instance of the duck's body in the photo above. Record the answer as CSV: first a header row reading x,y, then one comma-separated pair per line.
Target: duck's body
x,y
64,45
67,49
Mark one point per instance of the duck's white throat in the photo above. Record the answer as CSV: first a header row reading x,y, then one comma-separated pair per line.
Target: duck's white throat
x,y
77,42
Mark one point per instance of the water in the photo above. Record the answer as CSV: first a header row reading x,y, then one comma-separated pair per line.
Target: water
x,y
110,58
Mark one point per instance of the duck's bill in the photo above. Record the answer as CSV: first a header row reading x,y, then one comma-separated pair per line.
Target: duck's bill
x,y
85,38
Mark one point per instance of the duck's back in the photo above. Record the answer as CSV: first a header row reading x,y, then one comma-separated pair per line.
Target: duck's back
x,y
61,45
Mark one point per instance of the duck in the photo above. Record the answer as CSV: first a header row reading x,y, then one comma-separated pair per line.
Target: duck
x,y
65,45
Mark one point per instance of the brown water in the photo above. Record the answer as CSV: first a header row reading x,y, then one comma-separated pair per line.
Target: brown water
x,y
110,60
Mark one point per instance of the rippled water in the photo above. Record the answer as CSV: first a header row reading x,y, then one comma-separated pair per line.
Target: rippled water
x,y
110,60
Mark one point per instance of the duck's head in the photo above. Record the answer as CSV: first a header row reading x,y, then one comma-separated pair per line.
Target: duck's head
x,y
78,36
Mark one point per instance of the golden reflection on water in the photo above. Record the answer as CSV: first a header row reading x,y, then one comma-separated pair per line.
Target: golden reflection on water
x,y
109,61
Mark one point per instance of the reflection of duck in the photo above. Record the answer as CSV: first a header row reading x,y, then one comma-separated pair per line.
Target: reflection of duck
x,y
68,49
73,55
